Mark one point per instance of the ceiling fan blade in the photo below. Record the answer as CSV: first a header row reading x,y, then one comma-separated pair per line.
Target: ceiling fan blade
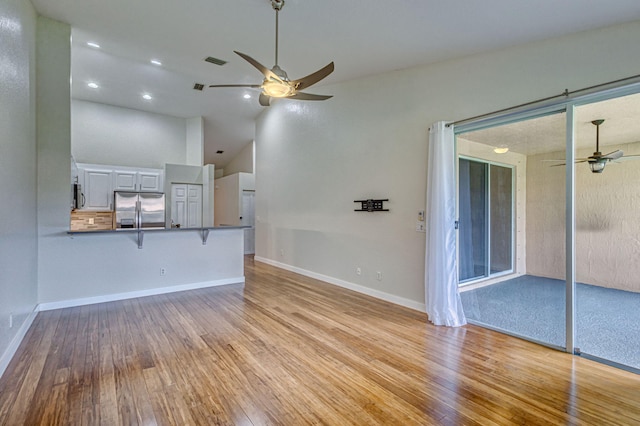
x,y
309,97
264,100
580,160
626,158
255,86
264,70
313,78
577,160
613,155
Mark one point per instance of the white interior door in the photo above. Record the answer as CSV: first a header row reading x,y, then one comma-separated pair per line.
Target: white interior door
x,y
194,206
178,205
248,219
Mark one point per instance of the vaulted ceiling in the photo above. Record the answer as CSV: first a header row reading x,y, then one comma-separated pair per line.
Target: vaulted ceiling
x,y
362,38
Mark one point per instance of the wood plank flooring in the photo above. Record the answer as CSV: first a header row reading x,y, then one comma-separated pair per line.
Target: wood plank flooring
x,y
286,349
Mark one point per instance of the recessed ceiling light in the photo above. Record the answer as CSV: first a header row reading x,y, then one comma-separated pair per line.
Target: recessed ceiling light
x,y
247,96
93,85
92,44
147,97
501,149
156,62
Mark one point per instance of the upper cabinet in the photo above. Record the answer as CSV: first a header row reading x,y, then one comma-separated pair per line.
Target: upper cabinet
x,y
99,181
97,189
151,181
147,180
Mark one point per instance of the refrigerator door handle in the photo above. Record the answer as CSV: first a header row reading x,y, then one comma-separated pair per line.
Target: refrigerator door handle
x,y
138,214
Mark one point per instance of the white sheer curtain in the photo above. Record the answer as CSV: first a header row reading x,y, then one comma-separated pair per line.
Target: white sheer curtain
x,y
441,276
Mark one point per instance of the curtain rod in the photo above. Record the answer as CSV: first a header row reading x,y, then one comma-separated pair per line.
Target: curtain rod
x,y
565,94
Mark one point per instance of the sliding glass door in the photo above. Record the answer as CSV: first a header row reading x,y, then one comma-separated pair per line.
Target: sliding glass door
x,y
607,218
485,219
511,251
549,225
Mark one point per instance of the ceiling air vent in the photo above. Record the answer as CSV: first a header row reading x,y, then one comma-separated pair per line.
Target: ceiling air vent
x,y
198,86
219,152
215,61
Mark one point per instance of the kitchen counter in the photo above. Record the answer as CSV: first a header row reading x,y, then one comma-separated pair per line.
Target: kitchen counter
x,y
204,231
133,230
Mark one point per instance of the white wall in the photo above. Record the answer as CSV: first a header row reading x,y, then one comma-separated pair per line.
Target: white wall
x,y
243,162
18,227
228,196
370,141
195,141
106,134
91,266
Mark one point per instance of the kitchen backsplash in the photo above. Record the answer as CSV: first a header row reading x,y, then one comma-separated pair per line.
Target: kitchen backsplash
x,y
87,220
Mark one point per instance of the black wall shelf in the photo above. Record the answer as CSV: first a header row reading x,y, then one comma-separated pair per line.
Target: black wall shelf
x,y
371,205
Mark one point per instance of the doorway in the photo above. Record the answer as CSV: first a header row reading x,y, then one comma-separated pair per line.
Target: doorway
x,y
247,218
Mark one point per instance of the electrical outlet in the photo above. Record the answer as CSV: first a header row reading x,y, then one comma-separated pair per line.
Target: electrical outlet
x,y
92,221
420,227
379,276
163,271
281,252
358,271
11,320
421,215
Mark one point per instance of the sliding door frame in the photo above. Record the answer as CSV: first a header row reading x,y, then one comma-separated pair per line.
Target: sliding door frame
x,y
567,106
487,243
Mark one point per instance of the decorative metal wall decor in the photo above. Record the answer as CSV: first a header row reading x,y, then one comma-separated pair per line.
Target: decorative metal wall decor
x,y
371,205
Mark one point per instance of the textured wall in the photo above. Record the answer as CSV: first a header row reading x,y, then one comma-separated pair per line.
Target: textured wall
x,y
18,227
607,221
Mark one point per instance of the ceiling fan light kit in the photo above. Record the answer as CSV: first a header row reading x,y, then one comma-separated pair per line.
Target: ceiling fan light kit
x,y
276,83
597,161
597,166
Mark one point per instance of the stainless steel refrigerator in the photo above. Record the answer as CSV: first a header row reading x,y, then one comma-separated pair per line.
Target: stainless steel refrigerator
x,y
139,210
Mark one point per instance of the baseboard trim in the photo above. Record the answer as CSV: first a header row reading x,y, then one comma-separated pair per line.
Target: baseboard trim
x,y
407,303
48,306
7,356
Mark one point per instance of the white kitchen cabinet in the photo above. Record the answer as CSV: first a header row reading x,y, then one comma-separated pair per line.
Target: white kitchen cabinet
x,y
98,190
137,180
186,205
150,181
99,181
125,180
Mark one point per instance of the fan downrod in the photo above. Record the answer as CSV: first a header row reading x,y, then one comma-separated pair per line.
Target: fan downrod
x,y
597,123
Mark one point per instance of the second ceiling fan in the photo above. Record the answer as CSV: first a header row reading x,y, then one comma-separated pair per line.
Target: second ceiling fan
x,y
276,83
597,161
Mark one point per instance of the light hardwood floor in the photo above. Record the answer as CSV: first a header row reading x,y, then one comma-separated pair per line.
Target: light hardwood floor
x,y
285,349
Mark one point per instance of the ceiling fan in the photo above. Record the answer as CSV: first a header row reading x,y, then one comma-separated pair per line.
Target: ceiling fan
x,y
597,161
276,83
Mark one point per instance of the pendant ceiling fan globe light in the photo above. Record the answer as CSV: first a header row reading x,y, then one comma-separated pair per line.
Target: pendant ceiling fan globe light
x,y
597,166
277,89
